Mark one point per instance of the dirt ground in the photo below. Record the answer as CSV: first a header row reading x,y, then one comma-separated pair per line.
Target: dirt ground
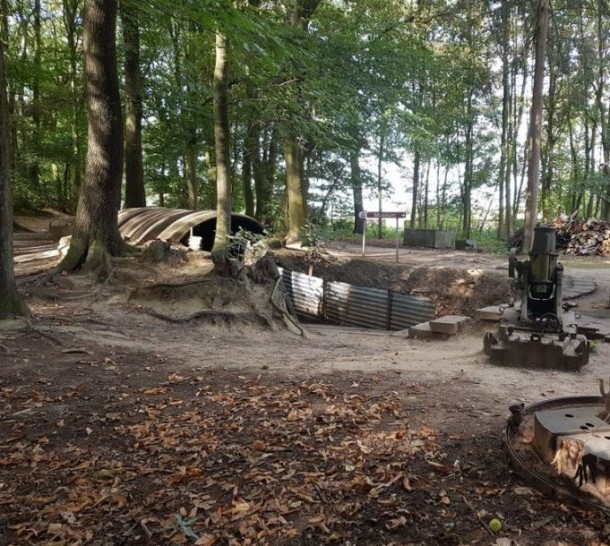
x,y
119,426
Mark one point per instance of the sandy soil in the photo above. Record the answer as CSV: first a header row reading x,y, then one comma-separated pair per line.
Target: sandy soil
x,y
91,391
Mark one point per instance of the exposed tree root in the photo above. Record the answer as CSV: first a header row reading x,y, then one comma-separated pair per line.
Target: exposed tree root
x,y
224,315
175,285
44,334
284,313
40,278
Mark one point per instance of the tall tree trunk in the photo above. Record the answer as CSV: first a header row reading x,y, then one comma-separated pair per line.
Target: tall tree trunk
x,y
504,210
71,20
11,303
296,200
299,16
264,175
415,197
135,194
536,111
603,110
380,183
468,170
426,195
96,232
356,180
251,146
36,108
190,173
222,141
552,135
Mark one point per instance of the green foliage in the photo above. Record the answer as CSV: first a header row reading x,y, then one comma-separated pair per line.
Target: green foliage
x,y
380,78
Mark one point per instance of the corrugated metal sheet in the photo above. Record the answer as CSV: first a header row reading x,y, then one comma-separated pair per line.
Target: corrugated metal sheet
x,y
343,303
407,310
306,293
149,223
356,305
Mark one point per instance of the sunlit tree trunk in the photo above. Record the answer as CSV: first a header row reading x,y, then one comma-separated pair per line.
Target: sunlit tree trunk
x,y
299,16
11,303
96,234
135,194
536,111
296,199
222,145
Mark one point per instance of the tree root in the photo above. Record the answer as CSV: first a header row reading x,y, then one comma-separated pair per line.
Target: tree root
x,y
176,285
103,284
42,333
40,278
287,316
225,315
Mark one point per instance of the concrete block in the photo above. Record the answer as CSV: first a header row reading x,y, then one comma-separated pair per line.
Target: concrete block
x,y
488,314
431,238
423,331
450,324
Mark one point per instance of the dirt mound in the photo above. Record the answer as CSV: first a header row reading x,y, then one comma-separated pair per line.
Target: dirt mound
x,y
458,291
216,299
454,290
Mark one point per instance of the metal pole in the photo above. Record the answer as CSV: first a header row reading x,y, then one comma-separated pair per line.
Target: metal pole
x,y
397,238
363,235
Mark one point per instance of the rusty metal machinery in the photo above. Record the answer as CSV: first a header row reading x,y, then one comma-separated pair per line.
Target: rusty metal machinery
x,y
538,330
562,446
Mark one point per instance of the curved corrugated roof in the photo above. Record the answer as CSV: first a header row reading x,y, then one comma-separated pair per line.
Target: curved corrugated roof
x,y
175,225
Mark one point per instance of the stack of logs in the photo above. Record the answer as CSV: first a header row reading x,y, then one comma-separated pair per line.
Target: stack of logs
x,y
576,237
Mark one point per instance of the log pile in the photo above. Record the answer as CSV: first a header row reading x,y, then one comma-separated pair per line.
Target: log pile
x,y
587,238
576,237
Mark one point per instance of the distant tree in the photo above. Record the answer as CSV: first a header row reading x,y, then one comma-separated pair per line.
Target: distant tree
x,y
135,194
11,303
96,233
536,111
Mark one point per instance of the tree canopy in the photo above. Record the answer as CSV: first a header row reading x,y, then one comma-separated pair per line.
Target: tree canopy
x,y
329,105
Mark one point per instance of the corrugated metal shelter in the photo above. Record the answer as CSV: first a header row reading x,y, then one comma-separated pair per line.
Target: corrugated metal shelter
x,y
139,225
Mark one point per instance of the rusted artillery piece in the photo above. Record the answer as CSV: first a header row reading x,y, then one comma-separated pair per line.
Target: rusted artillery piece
x,y
539,330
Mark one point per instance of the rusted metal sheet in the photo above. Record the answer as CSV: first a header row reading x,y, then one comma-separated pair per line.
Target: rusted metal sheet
x,y
306,293
343,303
176,225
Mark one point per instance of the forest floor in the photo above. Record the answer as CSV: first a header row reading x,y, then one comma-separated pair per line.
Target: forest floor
x,y
124,423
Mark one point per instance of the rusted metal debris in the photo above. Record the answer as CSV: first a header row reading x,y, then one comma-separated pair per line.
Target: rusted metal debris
x,y
562,446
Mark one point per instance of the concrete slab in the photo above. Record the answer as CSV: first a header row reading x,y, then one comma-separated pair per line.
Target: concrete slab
x,y
491,313
423,331
449,324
